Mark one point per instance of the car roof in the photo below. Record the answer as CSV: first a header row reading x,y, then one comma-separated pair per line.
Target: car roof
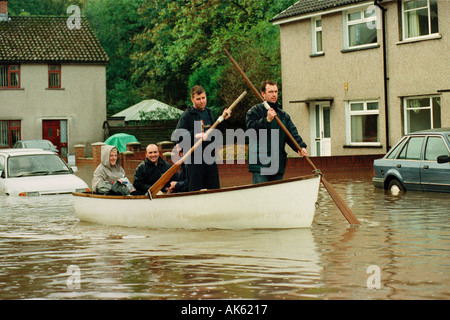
x,y
442,131
34,140
24,152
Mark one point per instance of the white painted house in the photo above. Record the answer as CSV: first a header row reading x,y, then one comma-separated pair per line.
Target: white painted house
x,y
52,81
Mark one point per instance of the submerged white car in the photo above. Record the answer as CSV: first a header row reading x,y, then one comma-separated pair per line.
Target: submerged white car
x,y
33,172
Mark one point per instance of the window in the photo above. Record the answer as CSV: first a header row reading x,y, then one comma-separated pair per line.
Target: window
x,y
9,133
422,113
435,147
363,123
412,149
360,28
54,76
9,76
317,36
420,18
392,154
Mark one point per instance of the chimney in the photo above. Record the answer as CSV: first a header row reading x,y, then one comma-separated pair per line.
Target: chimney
x,y
3,10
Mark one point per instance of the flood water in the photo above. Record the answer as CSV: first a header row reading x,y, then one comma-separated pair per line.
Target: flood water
x,y
401,251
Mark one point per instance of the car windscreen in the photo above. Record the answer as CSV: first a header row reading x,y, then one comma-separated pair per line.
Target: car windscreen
x,y
36,165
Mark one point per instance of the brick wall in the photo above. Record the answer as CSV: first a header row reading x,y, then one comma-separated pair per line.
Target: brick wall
x,y
3,7
295,166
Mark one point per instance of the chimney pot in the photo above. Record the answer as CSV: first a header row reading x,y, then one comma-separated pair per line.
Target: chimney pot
x,y
3,10
3,6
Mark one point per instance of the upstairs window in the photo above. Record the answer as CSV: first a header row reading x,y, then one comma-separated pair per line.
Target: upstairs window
x,y
317,36
9,76
360,28
420,18
54,76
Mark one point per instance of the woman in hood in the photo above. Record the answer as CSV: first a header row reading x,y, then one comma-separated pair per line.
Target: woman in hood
x,y
108,171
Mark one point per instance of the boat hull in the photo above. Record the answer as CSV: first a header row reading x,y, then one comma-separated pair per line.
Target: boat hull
x,y
284,204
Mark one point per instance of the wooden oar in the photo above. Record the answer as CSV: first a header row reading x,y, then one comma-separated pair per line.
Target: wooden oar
x,y
346,211
158,185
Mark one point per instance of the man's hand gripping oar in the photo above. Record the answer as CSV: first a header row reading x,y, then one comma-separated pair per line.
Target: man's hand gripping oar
x,y
345,210
165,178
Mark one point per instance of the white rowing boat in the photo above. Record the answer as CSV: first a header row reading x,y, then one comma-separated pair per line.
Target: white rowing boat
x,y
289,203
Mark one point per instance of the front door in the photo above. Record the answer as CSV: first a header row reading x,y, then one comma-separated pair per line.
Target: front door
x,y
56,132
321,144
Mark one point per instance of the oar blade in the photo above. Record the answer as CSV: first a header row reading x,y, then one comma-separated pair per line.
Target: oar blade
x,y
165,178
345,210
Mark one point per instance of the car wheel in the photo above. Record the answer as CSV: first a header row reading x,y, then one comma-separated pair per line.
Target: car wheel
x,y
395,187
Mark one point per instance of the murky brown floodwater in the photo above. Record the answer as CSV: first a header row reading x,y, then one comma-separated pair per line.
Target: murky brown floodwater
x,y
403,242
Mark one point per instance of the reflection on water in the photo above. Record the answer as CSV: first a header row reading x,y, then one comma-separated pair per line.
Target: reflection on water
x,y
405,236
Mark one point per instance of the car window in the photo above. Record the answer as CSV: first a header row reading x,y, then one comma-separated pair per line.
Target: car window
x,y
2,163
412,149
38,144
394,151
435,147
36,165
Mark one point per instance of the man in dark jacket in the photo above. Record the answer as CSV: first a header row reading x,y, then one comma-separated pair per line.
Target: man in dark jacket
x,y
195,121
150,170
267,154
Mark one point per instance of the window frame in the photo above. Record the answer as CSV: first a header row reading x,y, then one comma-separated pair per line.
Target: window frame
x,y
430,107
13,126
9,73
52,72
427,144
364,112
315,30
372,20
404,28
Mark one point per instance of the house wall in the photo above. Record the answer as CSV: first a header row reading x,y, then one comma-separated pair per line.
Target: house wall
x,y
81,101
419,68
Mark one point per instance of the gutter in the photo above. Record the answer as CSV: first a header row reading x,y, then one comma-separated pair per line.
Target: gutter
x,y
385,75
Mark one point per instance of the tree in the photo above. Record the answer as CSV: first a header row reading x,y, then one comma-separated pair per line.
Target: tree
x,y
183,43
116,23
42,7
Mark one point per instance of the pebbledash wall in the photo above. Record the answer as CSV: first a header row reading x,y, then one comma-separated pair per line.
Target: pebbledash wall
x,y
297,166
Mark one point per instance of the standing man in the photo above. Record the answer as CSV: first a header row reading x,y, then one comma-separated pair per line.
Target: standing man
x,y
196,120
150,170
270,138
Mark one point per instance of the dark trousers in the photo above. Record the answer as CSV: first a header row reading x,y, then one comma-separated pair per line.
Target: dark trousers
x,y
203,176
259,178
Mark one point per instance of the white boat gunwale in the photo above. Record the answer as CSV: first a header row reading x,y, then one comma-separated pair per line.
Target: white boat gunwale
x,y
192,193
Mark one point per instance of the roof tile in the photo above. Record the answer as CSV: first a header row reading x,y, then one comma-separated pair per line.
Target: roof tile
x,y
309,6
47,38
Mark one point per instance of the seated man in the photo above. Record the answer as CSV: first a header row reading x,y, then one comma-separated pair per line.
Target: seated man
x,y
182,184
150,170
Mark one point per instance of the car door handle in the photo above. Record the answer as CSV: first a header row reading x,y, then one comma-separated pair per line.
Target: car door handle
x,y
426,167
399,166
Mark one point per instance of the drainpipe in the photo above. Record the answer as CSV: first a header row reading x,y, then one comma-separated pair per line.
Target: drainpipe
x,y
385,76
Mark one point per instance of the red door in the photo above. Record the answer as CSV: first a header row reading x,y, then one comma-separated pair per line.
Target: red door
x,y
56,132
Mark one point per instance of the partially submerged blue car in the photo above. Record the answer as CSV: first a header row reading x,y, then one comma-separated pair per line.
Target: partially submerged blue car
x,y
419,161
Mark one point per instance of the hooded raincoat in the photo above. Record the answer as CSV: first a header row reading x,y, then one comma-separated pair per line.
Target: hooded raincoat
x,y
105,174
